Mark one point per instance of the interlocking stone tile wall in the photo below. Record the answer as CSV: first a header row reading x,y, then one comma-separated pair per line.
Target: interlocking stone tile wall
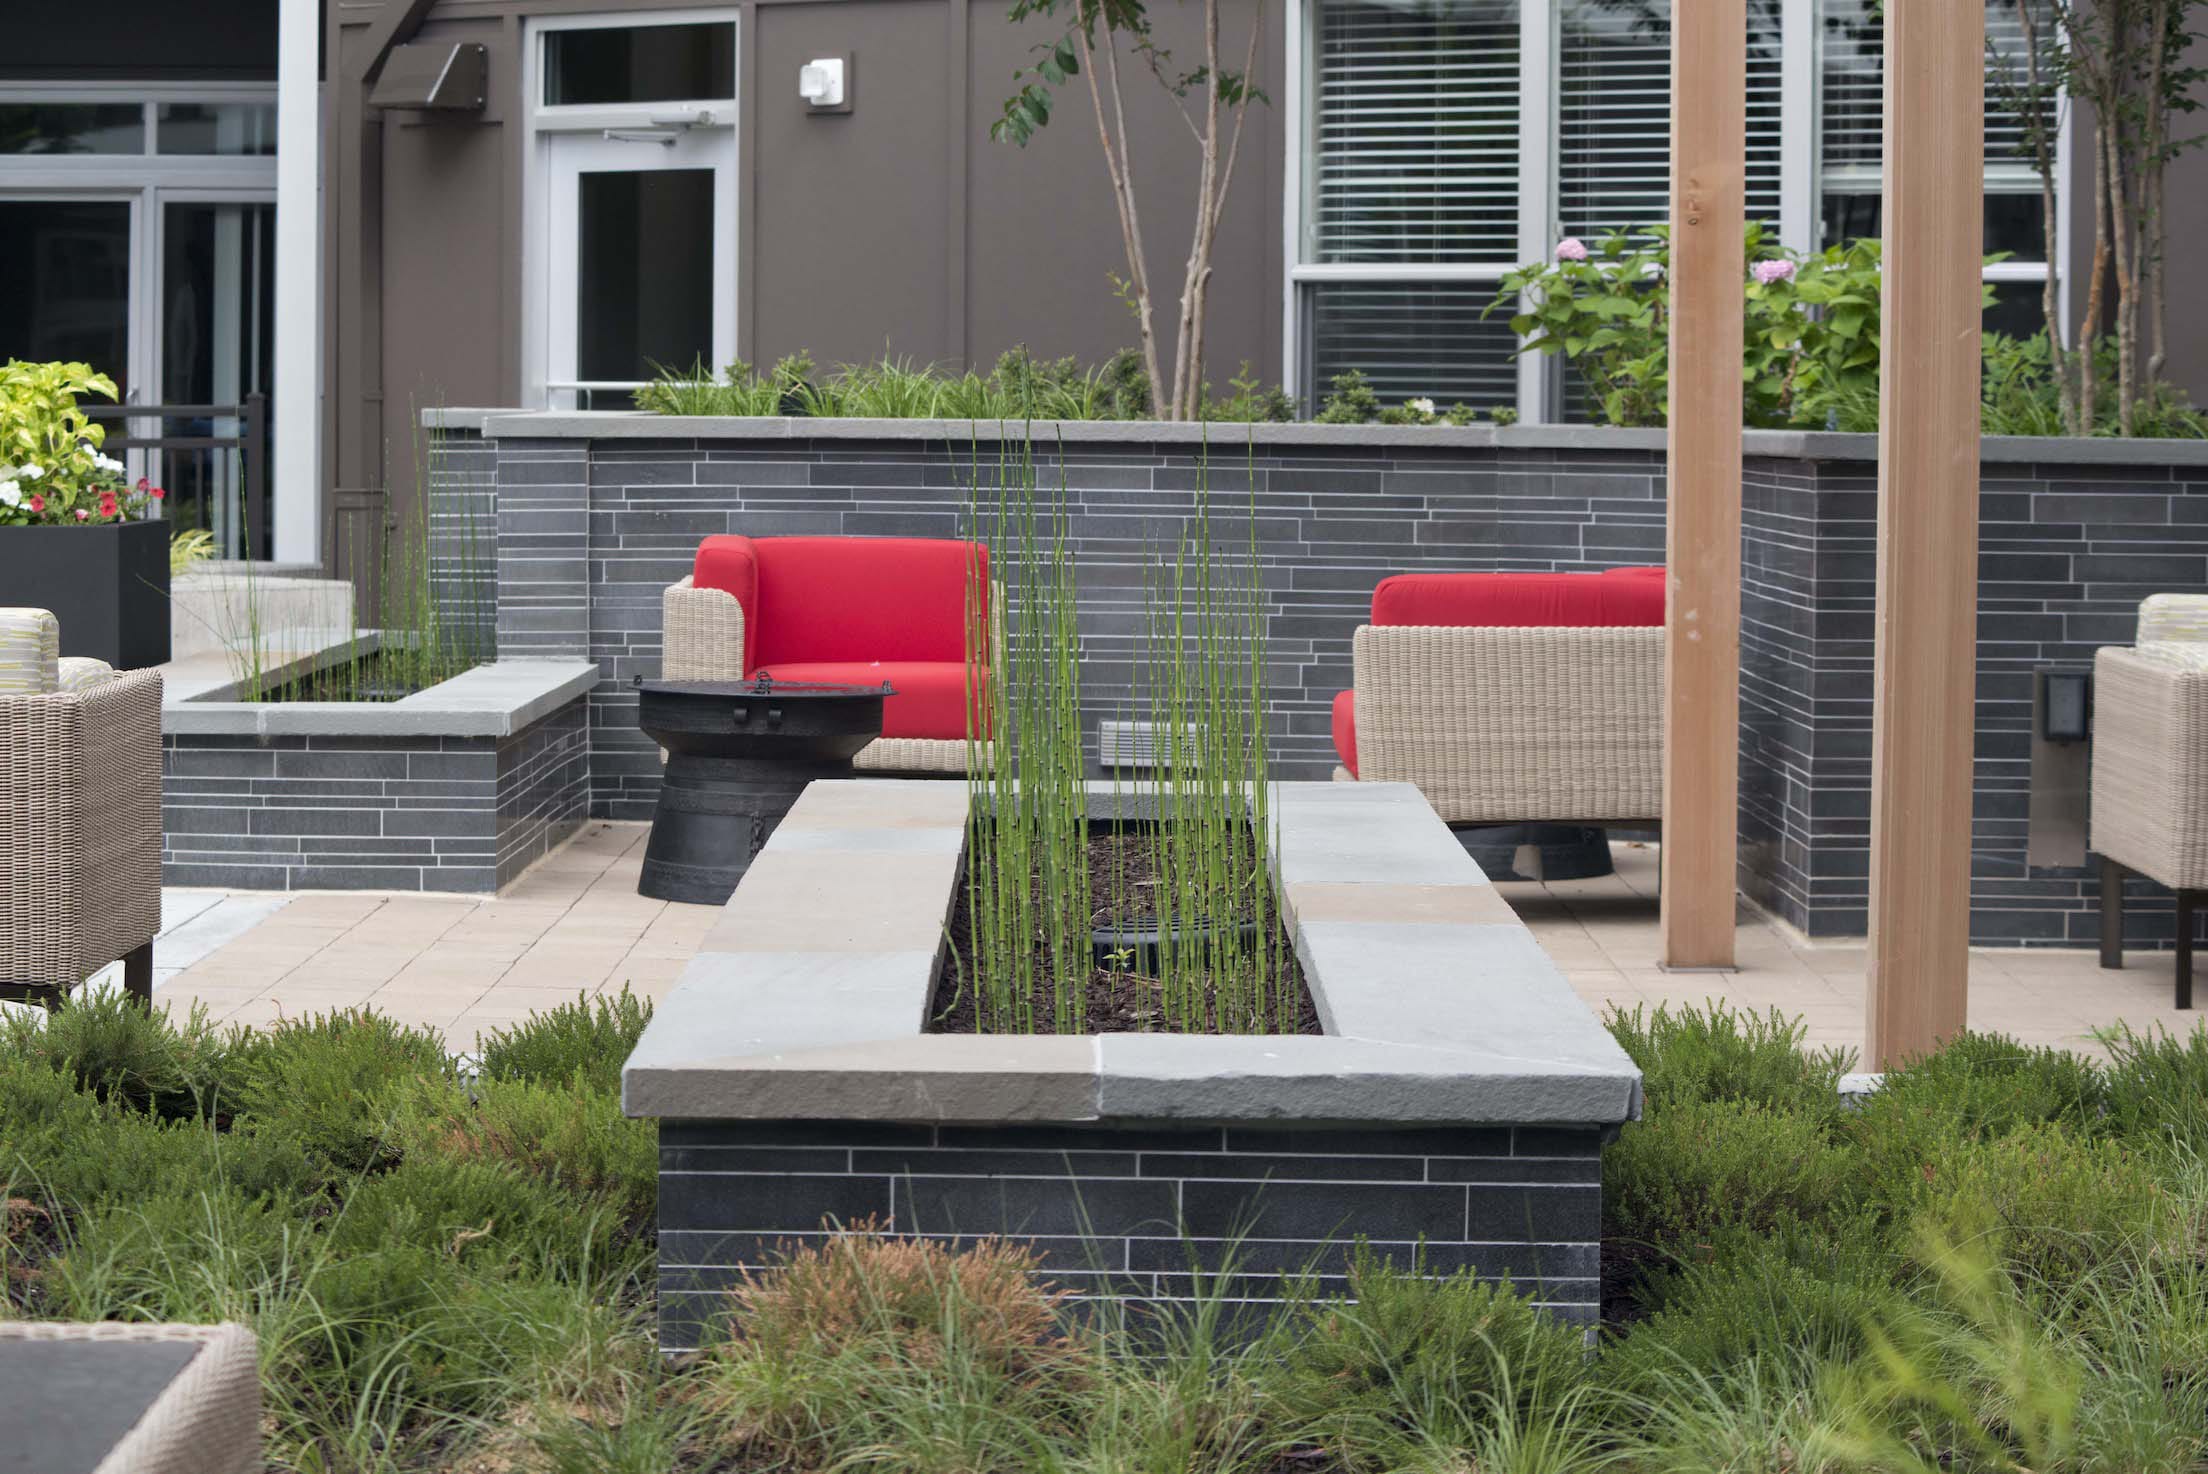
x,y
590,531
1136,1213
397,813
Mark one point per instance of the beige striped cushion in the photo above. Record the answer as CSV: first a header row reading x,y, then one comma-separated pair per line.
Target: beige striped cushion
x,y
30,650
2173,617
82,673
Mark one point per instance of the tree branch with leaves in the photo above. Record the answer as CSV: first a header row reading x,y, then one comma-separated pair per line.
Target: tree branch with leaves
x,y
1095,32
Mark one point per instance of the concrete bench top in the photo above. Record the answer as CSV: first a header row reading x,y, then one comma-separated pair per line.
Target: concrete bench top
x,y
497,699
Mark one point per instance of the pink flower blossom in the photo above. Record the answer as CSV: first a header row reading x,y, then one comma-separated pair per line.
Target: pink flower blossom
x,y
155,492
82,514
38,503
1571,248
1768,272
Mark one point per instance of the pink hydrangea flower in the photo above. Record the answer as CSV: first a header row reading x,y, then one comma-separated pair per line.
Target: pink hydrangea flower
x,y
1768,272
1571,248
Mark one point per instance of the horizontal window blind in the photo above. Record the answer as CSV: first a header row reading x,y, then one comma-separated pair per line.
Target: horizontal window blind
x,y
1614,114
1415,132
1852,94
1412,340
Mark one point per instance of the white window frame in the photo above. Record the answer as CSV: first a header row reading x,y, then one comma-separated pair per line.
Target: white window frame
x,y
1801,186
542,123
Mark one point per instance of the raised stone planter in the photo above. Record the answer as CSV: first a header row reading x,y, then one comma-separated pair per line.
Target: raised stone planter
x,y
454,788
1454,1109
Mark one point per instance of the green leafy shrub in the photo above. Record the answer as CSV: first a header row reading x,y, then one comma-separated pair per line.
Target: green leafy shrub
x,y
1776,1300
575,1138
2052,1205
585,1043
1718,1053
329,1083
131,1056
1695,1167
2156,1086
1431,1359
1979,1087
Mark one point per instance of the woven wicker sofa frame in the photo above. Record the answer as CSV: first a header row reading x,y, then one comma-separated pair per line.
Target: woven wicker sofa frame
x,y
2150,770
80,827
1504,725
207,1420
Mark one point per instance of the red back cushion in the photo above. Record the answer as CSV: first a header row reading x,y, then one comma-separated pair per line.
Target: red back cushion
x,y
847,598
1543,600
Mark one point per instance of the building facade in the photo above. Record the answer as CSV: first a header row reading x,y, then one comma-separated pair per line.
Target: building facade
x,y
364,208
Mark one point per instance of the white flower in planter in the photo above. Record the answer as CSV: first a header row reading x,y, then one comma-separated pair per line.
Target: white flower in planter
x,y
30,472
1423,406
107,463
11,493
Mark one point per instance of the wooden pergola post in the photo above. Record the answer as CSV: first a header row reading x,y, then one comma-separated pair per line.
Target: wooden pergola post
x,y
1922,721
1709,98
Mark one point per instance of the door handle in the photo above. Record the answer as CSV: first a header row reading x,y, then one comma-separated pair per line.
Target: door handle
x,y
662,136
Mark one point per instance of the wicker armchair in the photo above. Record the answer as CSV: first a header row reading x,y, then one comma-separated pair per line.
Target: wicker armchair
x,y
2150,769
206,1419
80,815
705,637
1501,723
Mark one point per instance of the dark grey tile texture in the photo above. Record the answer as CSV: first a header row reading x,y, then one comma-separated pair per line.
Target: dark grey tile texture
x,y
590,532
1133,1212
399,813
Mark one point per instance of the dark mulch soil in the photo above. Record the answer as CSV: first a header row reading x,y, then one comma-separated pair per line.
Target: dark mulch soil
x,y
1121,1000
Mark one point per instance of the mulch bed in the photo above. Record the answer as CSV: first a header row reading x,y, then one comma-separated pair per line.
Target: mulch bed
x,y
1121,1000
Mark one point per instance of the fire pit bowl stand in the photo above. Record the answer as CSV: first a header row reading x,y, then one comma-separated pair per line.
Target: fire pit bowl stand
x,y
738,755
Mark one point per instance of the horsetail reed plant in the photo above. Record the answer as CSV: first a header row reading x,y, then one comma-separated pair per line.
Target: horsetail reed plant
x,y
1201,678
1205,808
1028,824
432,580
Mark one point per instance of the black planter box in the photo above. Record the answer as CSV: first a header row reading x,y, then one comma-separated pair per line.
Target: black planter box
x,y
108,585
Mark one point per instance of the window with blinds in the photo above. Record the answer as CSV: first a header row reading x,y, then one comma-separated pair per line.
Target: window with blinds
x,y
1613,95
1415,148
1432,340
1851,102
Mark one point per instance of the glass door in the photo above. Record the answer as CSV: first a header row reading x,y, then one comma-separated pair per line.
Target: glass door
x,y
641,266
218,343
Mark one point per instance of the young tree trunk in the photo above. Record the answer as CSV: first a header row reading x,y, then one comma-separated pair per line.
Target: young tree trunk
x,y
2096,292
2124,242
1211,204
1119,166
2153,164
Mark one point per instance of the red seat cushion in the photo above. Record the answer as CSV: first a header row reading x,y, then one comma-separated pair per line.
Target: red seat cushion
x,y
1345,730
1506,600
843,599
931,695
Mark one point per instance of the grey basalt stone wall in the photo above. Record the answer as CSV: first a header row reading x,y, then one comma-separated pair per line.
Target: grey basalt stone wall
x,y
1125,1211
378,813
595,519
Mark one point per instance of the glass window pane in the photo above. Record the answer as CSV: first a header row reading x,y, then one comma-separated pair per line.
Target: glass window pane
x,y
1413,340
1614,114
2013,222
1852,92
218,281
216,128
2019,308
640,64
1415,154
65,283
72,128
644,272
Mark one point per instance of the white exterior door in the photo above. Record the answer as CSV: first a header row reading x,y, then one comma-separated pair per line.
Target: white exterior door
x,y
640,258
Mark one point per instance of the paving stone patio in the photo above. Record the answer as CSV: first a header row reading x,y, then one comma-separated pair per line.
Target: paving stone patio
x,y
574,923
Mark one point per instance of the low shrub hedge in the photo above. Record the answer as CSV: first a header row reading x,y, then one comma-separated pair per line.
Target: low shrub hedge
x,y
1998,1261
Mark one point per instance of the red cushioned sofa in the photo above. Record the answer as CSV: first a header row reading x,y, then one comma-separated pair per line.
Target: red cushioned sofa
x,y
1512,697
841,609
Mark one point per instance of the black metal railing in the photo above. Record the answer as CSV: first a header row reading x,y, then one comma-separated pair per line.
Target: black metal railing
x,y
250,442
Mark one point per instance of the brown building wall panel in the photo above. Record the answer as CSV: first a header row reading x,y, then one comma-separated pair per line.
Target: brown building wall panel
x,y
850,228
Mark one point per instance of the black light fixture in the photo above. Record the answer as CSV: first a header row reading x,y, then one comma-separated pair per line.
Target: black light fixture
x,y
2065,705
